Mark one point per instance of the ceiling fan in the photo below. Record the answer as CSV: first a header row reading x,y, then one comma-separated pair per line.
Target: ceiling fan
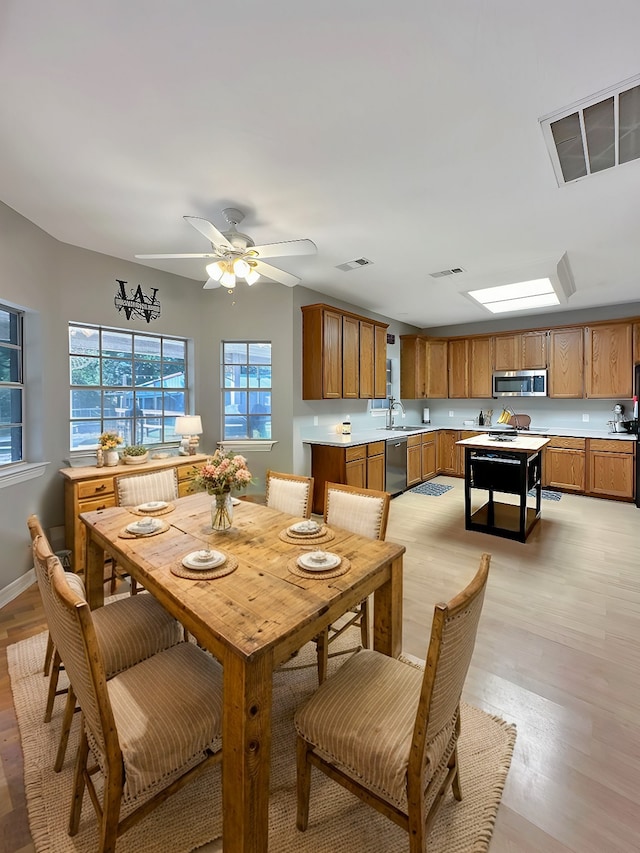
x,y
235,255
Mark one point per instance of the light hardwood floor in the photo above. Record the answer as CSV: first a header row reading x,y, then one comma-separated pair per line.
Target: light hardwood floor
x,y
558,653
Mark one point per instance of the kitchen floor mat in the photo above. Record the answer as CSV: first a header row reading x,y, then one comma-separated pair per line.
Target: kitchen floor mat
x,y
435,489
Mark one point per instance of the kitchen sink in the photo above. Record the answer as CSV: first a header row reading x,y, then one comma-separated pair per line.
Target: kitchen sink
x,y
402,428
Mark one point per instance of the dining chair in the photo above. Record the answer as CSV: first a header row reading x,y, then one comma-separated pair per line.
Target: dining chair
x,y
149,730
135,489
129,631
290,493
387,730
361,511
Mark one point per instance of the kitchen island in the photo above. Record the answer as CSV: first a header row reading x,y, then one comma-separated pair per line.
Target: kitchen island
x,y
509,465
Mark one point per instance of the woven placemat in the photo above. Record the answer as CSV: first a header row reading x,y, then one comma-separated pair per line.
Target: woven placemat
x,y
126,534
151,512
340,569
229,565
323,535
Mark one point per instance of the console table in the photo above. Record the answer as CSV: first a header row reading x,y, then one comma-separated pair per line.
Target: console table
x,y
514,467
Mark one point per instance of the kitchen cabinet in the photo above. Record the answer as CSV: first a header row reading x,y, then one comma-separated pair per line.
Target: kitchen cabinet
x,y
481,368
609,361
429,454
520,351
566,359
448,452
413,365
375,465
414,460
564,464
360,465
610,468
89,488
336,348
636,343
437,380
458,362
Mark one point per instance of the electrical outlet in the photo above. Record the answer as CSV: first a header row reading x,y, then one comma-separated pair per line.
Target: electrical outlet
x,y
315,420
450,413
585,418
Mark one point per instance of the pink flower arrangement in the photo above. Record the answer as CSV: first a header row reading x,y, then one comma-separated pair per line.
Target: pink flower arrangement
x,y
224,472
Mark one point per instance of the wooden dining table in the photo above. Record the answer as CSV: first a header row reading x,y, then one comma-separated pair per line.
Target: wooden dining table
x,y
252,620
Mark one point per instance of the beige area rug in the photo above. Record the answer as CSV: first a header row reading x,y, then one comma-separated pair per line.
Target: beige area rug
x,y
338,821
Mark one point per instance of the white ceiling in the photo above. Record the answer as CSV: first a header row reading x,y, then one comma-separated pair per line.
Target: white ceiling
x,y
407,134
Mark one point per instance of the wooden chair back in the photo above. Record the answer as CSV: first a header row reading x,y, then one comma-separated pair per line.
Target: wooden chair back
x,y
362,511
290,493
134,489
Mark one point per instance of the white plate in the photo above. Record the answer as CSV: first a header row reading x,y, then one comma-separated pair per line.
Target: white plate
x,y
306,562
195,560
152,506
140,528
308,527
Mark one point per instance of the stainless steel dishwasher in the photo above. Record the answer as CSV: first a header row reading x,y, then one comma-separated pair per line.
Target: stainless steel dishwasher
x,y
396,467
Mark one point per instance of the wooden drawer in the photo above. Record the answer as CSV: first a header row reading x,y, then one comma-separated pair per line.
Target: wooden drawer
x,y
353,453
428,436
95,488
188,472
611,445
375,448
414,440
97,503
567,443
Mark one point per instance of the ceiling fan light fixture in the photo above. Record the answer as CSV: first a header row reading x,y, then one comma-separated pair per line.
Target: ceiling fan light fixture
x,y
241,268
228,278
214,271
251,277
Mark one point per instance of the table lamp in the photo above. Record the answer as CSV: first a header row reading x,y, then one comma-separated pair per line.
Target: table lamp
x,y
190,427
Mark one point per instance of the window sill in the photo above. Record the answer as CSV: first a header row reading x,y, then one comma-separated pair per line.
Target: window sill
x,y
242,445
21,473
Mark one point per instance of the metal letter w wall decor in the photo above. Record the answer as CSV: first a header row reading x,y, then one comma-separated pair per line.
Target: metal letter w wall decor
x,y
137,303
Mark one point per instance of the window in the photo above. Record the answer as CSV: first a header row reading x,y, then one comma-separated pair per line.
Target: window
x,y
11,386
246,390
126,382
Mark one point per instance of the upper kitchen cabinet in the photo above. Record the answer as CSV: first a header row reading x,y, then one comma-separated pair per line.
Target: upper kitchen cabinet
x,y
520,351
458,358
343,354
423,367
608,361
636,343
566,358
481,367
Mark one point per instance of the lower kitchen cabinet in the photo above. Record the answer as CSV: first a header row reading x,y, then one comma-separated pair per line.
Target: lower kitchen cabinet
x,y
564,464
610,472
448,453
414,460
429,454
360,465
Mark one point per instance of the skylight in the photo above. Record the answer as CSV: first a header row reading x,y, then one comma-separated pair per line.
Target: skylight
x,y
520,296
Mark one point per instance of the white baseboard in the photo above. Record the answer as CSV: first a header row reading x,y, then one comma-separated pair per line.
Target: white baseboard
x,y
8,593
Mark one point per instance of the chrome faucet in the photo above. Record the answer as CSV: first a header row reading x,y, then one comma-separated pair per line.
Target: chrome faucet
x,y
392,405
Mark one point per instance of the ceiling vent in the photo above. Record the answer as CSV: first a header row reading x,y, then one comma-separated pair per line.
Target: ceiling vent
x,y
353,265
441,273
597,133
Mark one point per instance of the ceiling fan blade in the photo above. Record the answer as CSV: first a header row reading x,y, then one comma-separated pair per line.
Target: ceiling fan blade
x,y
288,247
183,255
275,274
210,283
210,231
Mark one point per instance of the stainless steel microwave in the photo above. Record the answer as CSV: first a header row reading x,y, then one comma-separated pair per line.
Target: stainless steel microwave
x,y
520,383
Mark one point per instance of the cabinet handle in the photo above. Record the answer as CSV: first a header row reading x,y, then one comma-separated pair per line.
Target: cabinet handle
x,y
101,488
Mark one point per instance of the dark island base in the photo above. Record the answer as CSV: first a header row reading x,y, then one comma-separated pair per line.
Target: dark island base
x,y
506,521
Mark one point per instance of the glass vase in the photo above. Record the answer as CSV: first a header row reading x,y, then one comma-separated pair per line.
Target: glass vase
x,y
222,512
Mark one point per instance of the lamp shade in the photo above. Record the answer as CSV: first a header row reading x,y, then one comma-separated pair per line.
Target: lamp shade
x,y
188,425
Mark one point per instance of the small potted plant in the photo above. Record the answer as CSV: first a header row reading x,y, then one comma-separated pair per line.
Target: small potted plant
x,y
135,454
108,442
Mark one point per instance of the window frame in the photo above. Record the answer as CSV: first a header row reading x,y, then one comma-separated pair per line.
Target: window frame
x,y
134,428
254,422
15,385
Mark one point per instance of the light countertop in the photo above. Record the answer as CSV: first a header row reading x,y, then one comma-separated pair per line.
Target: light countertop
x,y
365,436
523,442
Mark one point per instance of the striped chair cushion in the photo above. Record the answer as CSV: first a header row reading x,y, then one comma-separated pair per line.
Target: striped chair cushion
x,y
76,584
291,496
132,629
361,514
362,719
167,711
141,488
